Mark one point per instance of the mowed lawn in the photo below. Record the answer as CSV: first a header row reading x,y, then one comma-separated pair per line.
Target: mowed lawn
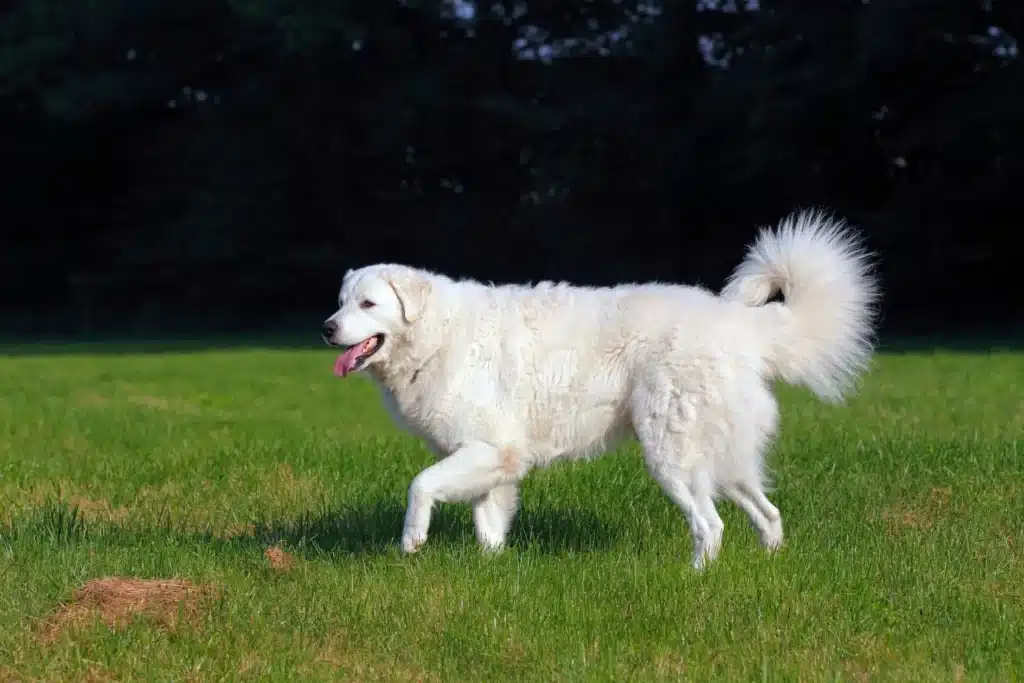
x,y
904,513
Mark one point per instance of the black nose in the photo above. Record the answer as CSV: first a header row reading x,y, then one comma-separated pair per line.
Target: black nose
x,y
328,329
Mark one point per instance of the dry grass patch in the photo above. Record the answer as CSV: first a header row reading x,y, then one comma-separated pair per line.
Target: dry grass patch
x,y
94,673
90,399
75,443
353,663
179,406
98,510
920,516
669,665
1003,590
97,674
231,531
160,403
116,601
9,676
280,561
203,508
14,501
300,487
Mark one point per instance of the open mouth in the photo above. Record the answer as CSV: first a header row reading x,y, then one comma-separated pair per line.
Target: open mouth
x,y
355,357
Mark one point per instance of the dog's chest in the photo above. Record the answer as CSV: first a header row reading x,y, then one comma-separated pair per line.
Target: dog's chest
x,y
440,423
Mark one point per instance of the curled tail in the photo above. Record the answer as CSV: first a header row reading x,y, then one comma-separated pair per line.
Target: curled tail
x,y
822,335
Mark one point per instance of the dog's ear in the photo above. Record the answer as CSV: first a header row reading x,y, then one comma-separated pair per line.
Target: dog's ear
x,y
412,290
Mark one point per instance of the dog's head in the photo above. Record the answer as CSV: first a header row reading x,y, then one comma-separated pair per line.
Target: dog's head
x,y
377,307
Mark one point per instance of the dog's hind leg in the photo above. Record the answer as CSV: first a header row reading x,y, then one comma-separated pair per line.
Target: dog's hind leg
x,y
741,469
678,483
763,515
704,493
673,454
493,514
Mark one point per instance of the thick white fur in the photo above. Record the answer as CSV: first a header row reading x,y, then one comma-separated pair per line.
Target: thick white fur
x,y
501,379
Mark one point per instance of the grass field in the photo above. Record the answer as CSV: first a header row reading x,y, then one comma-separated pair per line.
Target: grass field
x,y
904,514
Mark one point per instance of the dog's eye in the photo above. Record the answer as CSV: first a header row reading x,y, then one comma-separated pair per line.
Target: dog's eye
x,y
366,303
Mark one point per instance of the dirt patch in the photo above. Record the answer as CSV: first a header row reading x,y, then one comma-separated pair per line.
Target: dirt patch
x,y
116,601
920,516
280,561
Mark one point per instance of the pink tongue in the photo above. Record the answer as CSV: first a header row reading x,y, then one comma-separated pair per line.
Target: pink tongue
x,y
347,360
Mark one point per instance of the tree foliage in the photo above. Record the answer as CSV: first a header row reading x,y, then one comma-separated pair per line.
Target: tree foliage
x,y
222,163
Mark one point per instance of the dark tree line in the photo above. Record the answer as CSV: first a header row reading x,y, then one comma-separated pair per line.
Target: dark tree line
x,y
203,164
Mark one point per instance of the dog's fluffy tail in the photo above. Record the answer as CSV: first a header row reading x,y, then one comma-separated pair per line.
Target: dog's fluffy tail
x,y
822,335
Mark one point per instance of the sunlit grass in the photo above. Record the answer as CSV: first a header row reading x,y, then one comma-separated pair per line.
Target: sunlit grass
x,y
903,514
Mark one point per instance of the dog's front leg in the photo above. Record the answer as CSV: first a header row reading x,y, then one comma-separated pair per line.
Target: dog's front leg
x,y
467,474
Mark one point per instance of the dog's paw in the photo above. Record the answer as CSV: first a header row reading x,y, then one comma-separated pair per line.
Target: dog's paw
x,y
701,560
771,537
488,540
492,547
412,541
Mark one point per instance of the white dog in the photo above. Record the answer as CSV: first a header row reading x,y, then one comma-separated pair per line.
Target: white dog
x,y
501,379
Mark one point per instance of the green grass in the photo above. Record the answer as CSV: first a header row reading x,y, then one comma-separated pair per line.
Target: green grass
x,y
904,513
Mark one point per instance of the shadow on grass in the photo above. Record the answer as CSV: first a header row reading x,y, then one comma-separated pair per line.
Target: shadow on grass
x,y
362,530
377,528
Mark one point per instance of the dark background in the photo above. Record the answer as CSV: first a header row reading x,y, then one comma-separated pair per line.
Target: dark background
x,y
205,166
